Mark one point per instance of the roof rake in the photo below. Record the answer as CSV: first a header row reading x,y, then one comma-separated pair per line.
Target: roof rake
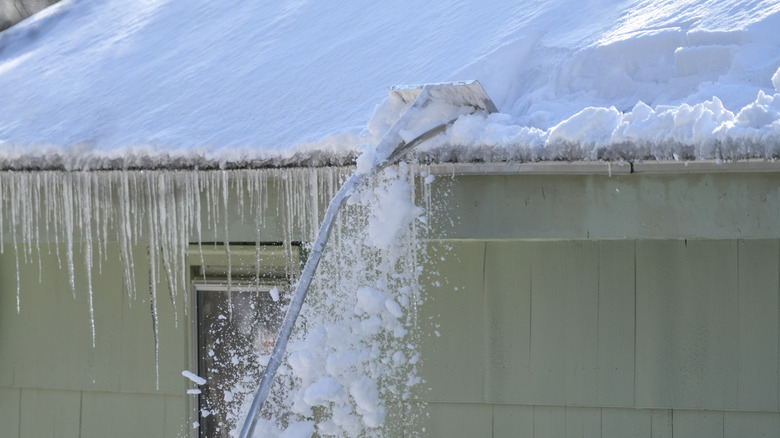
x,y
432,109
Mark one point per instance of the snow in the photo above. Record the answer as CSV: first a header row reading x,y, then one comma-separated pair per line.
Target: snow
x,y
194,378
360,319
163,83
274,292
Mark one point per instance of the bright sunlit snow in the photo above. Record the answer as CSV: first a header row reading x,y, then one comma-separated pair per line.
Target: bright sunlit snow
x,y
116,84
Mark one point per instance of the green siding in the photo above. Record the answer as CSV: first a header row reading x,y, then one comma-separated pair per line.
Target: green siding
x,y
577,305
750,425
513,421
48,413
697,424
54,383
103,414
758,325
626,206
655,338
10,404
446,420
454,362
616,323
687,340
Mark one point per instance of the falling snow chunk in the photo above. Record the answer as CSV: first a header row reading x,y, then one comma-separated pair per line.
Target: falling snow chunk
x,y
394,308
324,390
274,293
194,378
370,300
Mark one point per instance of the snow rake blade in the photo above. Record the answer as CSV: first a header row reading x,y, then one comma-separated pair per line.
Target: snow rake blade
x,y
426,101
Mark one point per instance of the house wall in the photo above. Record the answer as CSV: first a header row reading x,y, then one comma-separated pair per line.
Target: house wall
x,y
54,384
641,305
588,305
606,339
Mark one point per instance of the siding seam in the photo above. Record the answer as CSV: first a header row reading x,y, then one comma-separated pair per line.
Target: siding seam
x,y
634,389
81,410
19,423
485,327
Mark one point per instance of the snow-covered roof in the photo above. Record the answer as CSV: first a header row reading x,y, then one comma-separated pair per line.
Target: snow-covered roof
x,y
157,83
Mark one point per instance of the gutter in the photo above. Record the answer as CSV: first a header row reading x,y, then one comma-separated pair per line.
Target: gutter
x,y
602,167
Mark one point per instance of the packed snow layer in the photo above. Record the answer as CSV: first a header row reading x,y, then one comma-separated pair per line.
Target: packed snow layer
x,y
173,84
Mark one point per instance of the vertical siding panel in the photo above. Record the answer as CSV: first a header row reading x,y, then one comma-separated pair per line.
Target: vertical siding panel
x,y
52,325
751,425
508,299
13,336
564,323
687,324
549,422
454,362
104,414
582,317
10,399
50,414
698,424
583,422
177,416
663,420
758,325
512,421
448,420
624,423
616,324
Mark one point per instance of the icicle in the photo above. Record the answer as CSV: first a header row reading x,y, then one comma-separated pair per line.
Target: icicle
x,y
167,241
152,255
212,200
36,202
198,225
96,214
23,179
256,193
54,201
125,236
67,202
86,226
3,208
184,204
137,210
238,185
225,197
314,214
14,219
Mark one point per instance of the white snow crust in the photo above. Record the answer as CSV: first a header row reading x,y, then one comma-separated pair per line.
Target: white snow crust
x,y
182,84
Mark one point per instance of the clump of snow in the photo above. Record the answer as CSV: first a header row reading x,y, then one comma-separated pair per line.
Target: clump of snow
x,y
369,300
274,292
392,210
194,378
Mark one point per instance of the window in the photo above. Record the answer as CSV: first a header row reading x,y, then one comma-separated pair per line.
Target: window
x,y
235,326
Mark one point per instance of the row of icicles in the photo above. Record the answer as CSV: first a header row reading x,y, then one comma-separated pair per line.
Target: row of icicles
x,y
57,211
